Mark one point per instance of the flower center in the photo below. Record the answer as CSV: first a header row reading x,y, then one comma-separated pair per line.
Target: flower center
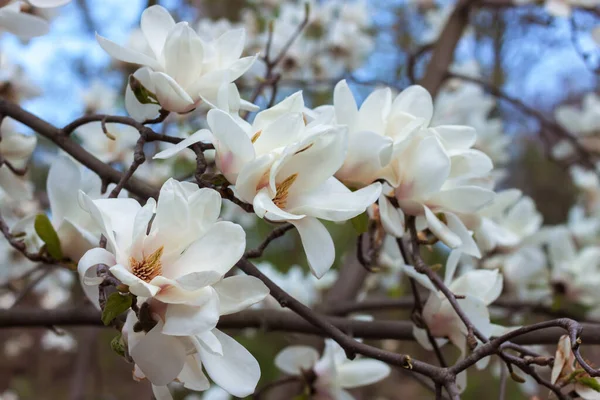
x,y
283,188
149,268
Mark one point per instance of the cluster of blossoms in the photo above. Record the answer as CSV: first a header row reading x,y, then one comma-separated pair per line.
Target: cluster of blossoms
x,y
396,158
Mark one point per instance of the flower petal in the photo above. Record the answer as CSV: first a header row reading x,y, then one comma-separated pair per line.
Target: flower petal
x,y
317,243
127,55
156,23
239,292
88,276
200,136
361,373
294,359
187,320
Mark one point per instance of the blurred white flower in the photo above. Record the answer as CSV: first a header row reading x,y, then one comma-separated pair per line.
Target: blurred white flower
x,y
117,148
583,122
99,98
60,342
15,149
566,371
334,373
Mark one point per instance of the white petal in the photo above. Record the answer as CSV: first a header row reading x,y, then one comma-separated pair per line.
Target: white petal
x,y
156,23
138,111
317,243
161,392
183,55
265,208
250,177
440,230
199,136
465,199
88,276
416,101
160,357
170,94
230,46
48,3
346,110
361,373
428,166
192,376
239,292
25,26
294,359
392,218
64,179
456,137
127,55
236,371
14,186
136,285
186,320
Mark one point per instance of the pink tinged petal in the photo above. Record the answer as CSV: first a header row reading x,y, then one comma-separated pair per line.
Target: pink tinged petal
x,y
136,285
468,245
230,46
161,392
15,186
428,168
317,243
253,176
332,201
184,289
236,371
202,135
456,137
363,372
294,359
265,208
346,110
233,146
392,218
464,199
374,111
315,160
284,130
192,376
416,101
291,104
25,26
63,180
218,250
440,230
156,23
127,55
200,316
138,111
160,357
183,54
368,153
88,277
239,292
170,95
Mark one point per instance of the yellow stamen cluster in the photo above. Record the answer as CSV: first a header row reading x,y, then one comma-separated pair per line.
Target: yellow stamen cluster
x,y
283,188
149,268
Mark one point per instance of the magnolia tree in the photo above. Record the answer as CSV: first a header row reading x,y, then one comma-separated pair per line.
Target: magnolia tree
x,y
154,212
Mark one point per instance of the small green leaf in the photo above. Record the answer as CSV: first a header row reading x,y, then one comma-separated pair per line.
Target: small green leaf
x,y
360,223
142,94
45,230
589,382
118,345
116,304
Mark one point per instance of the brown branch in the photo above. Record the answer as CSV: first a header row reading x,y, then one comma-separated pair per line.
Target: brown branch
x,y
275,233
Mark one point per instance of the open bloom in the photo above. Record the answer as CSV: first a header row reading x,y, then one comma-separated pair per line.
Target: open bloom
x,y
163,358
175,252
15,149
182,67
566,370
333,372
117,148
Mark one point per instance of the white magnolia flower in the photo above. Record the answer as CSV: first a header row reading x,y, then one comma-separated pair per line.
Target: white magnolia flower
x,y
180,260
581,121
15,84
183,67
288,177
63,342
509,220
566,367
99,98
76,230
163,358
16,149
479,287
334,373
118,148
575,273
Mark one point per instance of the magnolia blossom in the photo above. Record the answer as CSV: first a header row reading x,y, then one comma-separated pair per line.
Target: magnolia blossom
x,y
575,273
180,260
182,68
566,370
15,18
98,98
581,121
62,342
479,287
333,372
15,149
288,177
75,228
161,358
15,84
507,221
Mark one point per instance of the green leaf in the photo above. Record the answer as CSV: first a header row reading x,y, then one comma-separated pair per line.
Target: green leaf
x,y
116,304
142,94
118,345
45,230
589,382
360,223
